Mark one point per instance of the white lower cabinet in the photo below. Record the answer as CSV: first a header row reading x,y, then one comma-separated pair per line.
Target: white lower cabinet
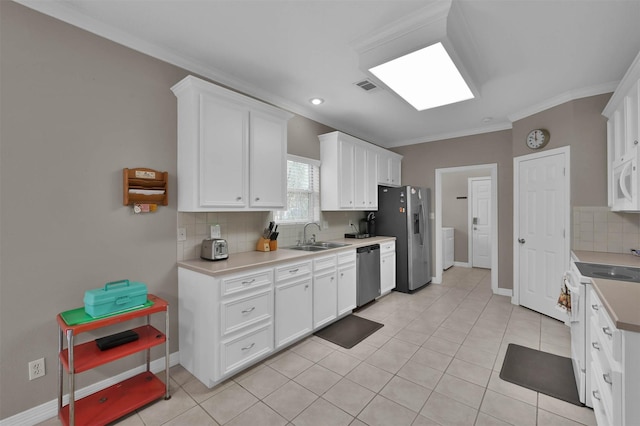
x,y
614,370
228,322
387,267
346,282
325,291
294,302
225,322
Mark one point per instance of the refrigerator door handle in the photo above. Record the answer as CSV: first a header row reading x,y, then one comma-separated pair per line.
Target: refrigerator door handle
x,y
419,222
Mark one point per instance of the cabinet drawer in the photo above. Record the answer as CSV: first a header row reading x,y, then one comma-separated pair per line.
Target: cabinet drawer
x,y
388,247
607,371
236,283
607,333
293,270
242,350
346,257
324,262
602,404
239,313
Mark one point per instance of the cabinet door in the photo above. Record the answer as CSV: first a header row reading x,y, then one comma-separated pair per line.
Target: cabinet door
x,y
325,298
268,164
387,272
223,153
346,173
293,311
360,183
384,178
395,171
371,179
346,288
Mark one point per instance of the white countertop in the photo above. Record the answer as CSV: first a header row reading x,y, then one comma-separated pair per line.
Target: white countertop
x,y
237,262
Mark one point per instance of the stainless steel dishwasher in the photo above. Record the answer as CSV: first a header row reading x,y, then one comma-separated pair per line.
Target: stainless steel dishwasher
x,y
368,273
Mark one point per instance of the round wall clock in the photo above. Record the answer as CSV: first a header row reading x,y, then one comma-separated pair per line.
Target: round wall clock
x,y
537,138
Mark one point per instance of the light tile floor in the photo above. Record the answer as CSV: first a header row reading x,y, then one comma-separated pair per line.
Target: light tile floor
x,y
436,361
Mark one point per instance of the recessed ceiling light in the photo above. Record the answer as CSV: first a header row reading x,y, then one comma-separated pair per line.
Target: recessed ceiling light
x,y
316,101
426,78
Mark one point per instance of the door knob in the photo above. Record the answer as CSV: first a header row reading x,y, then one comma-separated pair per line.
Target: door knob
x,y
521,240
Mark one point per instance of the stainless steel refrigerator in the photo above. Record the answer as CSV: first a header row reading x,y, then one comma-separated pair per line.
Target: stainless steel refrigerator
x,y
404,213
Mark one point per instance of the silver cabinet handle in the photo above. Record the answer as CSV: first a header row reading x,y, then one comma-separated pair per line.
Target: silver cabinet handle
x,y
246,348
596,394
246,311
595,345
238,198
248,282
607,331
607,378
594,307
257,198
293,271
635,142
306,286
521,240
342,274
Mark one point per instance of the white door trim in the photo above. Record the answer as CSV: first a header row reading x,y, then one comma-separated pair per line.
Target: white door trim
x,y
515,298
493,172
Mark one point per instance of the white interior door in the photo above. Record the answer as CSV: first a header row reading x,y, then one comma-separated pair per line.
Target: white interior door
x,y
540,224
480,190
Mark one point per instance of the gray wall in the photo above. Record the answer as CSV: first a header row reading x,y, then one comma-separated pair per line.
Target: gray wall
x,y
76,110
578,124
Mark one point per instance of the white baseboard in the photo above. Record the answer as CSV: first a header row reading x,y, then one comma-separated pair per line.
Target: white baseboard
x,y
462,264
49,409
504,292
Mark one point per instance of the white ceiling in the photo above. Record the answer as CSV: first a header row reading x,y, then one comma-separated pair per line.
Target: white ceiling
x,y
524,55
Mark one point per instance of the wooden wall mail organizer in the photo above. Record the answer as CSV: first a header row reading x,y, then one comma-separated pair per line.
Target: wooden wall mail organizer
x,y
144,187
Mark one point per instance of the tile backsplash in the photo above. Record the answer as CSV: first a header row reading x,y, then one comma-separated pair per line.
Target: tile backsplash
x,y
599,229
242,229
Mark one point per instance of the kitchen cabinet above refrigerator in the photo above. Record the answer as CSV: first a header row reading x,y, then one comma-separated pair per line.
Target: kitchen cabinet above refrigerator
x,y
623,135
351,171
231,150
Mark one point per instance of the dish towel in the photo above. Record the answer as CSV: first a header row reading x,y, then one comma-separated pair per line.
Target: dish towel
x,y
564,300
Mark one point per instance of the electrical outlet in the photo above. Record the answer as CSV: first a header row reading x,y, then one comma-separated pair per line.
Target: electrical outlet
x,y
36,369
182,234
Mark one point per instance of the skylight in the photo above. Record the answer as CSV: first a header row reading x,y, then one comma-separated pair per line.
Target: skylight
x,y
426,78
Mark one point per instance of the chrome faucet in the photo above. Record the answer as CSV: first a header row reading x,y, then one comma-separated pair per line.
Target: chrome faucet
x,y
304,234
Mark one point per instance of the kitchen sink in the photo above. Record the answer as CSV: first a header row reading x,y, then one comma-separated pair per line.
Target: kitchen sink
x,y
318,246
329,244
610,272
308,248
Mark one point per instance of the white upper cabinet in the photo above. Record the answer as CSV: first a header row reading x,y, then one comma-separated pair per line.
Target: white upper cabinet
x,y
623,131
231,150
389,168
350,172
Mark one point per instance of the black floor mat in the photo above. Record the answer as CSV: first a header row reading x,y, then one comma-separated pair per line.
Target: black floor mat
x,y
349,331
540,371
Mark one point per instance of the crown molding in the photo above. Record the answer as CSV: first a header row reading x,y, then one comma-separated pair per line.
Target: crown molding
x,y
571,95
450,135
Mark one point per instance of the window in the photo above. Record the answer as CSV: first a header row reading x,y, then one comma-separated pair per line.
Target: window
x,y
303,191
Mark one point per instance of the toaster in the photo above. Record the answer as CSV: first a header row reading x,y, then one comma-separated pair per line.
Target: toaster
x,y
214,249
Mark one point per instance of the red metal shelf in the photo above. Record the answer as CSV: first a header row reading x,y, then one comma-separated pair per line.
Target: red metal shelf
x,y
88,355
115,401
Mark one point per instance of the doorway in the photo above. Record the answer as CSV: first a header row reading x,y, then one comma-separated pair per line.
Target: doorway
x,y
541,221
487,170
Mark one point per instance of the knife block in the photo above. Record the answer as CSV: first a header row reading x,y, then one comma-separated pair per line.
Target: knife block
x,y
263,245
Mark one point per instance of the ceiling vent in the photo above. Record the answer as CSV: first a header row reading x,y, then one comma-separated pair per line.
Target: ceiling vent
x,y
367,85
